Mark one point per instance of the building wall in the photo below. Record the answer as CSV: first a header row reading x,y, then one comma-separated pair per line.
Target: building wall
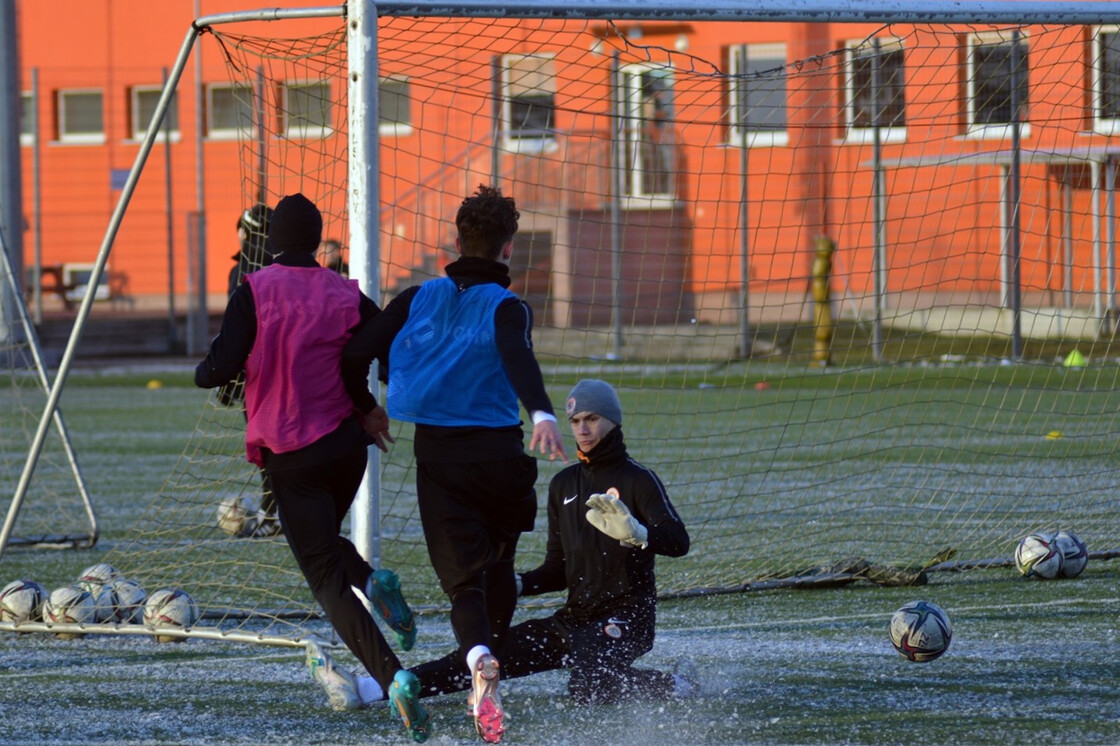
x,y
943,224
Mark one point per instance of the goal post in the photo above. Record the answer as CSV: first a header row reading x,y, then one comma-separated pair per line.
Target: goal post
x,y
789,235
60,512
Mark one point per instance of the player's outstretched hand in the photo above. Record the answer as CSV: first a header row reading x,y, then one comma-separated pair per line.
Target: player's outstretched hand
x,y
611,516
376,424
546,439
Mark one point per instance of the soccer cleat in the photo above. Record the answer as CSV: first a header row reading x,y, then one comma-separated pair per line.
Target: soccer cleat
x,y
486,704
404,696
687,678
383,589
339,684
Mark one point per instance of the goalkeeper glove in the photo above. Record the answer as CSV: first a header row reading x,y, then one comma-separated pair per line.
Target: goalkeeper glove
x,y
611,516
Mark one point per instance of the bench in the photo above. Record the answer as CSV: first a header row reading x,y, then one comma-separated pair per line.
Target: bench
x,y
52,281
68,282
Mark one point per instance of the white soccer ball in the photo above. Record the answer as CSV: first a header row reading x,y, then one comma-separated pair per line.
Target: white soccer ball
x,y
170,607
920,631
105,605
1037,556
96,577
1075,555
70,605
22,601
237,516
130,600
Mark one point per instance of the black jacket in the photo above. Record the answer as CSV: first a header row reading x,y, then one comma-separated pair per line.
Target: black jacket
x,y
601,575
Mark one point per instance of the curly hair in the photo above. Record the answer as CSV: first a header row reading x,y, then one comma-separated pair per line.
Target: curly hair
x,y
486,222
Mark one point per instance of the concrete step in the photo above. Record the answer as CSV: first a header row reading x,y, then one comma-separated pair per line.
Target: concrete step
x,y
115,336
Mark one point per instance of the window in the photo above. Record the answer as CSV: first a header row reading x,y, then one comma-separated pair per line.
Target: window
x,y
26,119
872,64
229,111
307,109
80,117
144,101
1106,80
394,106
758,74
528,100
649,148
990,86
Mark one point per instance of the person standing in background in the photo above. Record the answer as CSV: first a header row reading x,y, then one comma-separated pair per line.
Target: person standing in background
x,y
330,256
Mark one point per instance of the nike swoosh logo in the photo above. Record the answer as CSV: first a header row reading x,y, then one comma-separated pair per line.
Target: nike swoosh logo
x,y
570,499
612,620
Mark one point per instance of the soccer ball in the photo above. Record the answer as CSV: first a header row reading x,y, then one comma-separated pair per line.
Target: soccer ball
x,y
22,601
70,605
105,605
96,577
920,631
237,516
1037,556
130,600
170,607
1075,555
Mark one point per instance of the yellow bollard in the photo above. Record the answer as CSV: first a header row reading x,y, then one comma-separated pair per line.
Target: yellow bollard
x,y
822,301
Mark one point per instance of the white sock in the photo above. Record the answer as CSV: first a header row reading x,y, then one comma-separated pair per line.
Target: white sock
x,y
474,654
369,691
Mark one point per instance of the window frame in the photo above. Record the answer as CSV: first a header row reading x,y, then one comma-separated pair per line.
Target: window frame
x,y
139,130
316,131
755,138
26,109
997,130
79,138
635,195
511,138
859,134
1101,124
214,132
394,129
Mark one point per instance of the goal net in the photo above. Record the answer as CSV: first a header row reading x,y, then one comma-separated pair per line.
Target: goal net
x,y
854,282
43,504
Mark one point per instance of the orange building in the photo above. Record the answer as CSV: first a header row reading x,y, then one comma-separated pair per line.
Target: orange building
x,y
623,135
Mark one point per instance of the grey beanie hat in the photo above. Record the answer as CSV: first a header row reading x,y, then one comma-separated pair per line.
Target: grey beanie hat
x,y
593,395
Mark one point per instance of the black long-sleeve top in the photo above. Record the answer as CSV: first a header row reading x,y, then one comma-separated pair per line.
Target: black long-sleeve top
x,y
601,575
513,324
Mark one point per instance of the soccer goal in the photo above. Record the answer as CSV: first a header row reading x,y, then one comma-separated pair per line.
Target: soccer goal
x,y
44,499
837,259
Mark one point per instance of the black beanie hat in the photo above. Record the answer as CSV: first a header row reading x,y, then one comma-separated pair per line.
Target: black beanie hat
x,y
296,225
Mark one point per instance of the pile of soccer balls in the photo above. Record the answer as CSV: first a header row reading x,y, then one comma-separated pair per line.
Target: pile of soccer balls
x,y
100,595
920,631
1047,556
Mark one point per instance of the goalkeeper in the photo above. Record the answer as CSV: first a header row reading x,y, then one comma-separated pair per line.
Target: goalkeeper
x,y
608,517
